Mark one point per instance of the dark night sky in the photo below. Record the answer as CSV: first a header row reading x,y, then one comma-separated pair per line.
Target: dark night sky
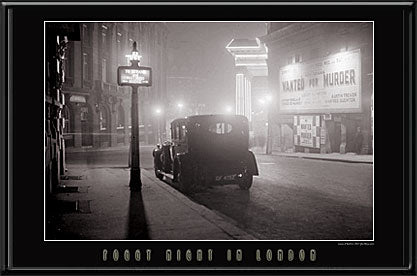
x,y
198,50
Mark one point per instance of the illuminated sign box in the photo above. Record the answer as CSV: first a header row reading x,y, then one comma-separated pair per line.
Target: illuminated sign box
x,y
139,76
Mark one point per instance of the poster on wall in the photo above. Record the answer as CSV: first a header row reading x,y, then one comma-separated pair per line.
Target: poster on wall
x,y
331,84
307,131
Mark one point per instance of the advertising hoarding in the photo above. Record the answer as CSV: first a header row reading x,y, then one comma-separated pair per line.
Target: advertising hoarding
x,y
307,131
326,85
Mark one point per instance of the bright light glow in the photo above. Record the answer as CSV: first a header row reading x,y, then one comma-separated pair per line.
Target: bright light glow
x,y
264,56
158,110
228,109
251,64
180,105
268,97
265,100
134,56
243,47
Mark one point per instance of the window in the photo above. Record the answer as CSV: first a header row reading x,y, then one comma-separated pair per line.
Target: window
x,y
119,40
85,35
103,41
183,131
294,59
104,70
69,65
85,66
220,128
104,37
177,132
103,118
84,114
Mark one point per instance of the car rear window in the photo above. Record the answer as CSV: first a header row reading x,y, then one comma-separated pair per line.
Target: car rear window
x,y
220,128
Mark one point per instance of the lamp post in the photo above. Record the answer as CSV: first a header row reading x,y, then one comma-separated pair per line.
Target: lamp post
x,y
134,76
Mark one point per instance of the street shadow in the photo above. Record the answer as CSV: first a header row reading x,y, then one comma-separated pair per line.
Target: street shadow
x,y
137,223
227,199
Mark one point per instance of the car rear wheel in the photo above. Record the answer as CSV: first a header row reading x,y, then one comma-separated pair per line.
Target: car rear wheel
x,y
159,175
158,165
246,182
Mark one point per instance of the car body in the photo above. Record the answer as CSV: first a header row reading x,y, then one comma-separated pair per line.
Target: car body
x,y
207,150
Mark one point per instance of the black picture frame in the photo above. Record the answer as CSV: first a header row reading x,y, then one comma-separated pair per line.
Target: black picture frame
x,y
23,249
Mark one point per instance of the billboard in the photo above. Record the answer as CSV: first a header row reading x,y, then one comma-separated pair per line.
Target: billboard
x,y
131,76
326,85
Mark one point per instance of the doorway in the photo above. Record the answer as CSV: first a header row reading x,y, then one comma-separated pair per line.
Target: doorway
x,y
86,126
335,137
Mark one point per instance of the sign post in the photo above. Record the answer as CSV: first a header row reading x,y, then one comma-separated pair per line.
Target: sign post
x,y
134,76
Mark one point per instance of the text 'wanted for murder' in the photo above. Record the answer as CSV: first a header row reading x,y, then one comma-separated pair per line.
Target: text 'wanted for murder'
x,y
346,77
199,255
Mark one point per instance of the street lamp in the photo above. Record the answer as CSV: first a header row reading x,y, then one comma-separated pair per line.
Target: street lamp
x,y
134,76
135,180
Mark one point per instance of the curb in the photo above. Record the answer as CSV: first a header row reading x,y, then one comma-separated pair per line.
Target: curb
x,y
328,159
233,231
78,150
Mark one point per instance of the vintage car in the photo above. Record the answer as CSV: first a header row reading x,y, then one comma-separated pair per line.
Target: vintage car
x,y
207,150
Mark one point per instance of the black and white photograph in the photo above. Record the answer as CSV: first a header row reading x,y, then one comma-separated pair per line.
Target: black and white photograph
x,y
209,130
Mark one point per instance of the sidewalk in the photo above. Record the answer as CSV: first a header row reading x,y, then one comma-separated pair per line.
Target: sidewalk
x,y
348,157
107,210
116,148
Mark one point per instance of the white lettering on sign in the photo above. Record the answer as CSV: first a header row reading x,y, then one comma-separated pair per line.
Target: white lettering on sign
x,y
140,76
331,84
134,76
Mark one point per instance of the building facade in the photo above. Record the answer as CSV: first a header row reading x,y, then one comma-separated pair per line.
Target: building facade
x,y
321,77
251,85
97,111
57,37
